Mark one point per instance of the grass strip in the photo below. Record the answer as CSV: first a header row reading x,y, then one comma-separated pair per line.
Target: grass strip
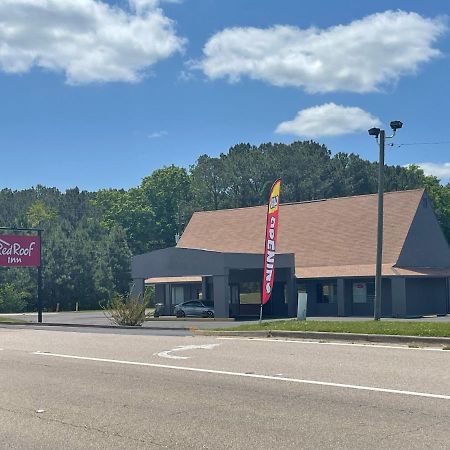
x,y
11,320
406,328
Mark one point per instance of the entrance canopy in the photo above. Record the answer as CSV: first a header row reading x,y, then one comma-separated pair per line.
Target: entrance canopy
x,y
188,262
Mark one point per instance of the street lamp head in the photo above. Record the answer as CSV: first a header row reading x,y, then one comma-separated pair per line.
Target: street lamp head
x,y
396,125
374,132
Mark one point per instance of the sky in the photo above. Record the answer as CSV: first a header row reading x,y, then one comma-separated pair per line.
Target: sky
x,y
98,94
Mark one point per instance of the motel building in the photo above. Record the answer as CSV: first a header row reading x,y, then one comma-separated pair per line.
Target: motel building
x,y
326,248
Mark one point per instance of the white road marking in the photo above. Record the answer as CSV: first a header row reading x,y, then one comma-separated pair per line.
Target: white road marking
x,y
348,344
181,348
250,375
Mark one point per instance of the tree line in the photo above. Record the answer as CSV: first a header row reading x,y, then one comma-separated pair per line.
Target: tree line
x,y
90,236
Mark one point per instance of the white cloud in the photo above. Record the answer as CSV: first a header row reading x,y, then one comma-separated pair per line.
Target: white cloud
x,y
328,120
157,134
360,57
441,171
141,6
87,40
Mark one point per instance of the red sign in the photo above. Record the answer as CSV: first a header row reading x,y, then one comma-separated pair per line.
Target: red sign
x,y
271,241
20,251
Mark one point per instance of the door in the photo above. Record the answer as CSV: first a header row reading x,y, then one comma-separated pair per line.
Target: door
x,y
197,308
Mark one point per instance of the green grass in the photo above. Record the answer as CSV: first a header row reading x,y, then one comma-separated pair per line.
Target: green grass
x,y
408,328
11,320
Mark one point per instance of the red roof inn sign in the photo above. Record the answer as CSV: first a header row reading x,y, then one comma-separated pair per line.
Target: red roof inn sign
x,y
20,251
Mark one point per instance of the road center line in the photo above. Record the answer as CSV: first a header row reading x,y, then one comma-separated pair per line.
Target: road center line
x,y
250,375
346,344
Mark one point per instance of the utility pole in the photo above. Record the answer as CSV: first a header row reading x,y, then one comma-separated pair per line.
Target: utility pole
x,y
378,271
380,136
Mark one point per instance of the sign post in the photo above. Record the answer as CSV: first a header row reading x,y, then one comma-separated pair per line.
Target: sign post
x,y
23,251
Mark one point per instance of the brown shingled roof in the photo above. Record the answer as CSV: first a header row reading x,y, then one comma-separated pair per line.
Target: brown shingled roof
x,y
325,235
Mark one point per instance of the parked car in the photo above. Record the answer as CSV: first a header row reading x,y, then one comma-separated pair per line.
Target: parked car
x,y
194,308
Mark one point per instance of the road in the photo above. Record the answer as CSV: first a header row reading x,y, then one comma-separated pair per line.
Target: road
x,y
65,389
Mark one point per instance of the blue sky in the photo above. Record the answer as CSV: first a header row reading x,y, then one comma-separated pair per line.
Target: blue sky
x,y
99,94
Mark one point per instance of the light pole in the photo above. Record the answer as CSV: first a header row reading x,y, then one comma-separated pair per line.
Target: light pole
x,y
381,137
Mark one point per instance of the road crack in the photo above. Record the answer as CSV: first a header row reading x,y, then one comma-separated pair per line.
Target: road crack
x,y
83,427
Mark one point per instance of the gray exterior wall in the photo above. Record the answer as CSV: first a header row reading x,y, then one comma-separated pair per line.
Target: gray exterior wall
x,y
426,296
179,262
313,307
160,296
399,308
344,297
448,295
425,244
344,305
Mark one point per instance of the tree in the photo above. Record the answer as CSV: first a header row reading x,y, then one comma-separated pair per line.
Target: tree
x,y
131,211
119,256
168,194
38,213
208,183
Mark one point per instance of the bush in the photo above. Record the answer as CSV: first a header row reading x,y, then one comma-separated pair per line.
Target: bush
x,y
11,299
149,296
125,310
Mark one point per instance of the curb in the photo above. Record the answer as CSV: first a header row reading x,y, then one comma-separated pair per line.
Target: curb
x,y
380,338
84,325
190,319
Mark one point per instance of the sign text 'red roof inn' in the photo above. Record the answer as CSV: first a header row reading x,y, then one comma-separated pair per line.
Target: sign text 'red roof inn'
x,y
20,251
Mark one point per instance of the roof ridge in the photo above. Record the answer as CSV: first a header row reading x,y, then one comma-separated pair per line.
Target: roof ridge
x,y
311,201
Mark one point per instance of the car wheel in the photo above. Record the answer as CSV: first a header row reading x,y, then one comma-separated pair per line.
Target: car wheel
x,y
209,314
181,313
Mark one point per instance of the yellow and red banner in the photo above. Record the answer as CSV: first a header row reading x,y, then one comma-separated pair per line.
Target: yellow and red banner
x,y
270,243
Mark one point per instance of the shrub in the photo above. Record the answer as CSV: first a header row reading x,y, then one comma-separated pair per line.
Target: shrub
x,y
12,300
149,296
125,310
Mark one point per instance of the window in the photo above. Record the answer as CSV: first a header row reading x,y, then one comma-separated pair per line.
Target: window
x,y
177,294
192,304
360,292
363,292
327,292
250,293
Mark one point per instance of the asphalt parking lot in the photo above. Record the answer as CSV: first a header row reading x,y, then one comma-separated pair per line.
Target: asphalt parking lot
x,y
99,318
86,318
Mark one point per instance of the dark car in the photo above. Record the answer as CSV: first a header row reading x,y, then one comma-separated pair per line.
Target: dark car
x,y
194,308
